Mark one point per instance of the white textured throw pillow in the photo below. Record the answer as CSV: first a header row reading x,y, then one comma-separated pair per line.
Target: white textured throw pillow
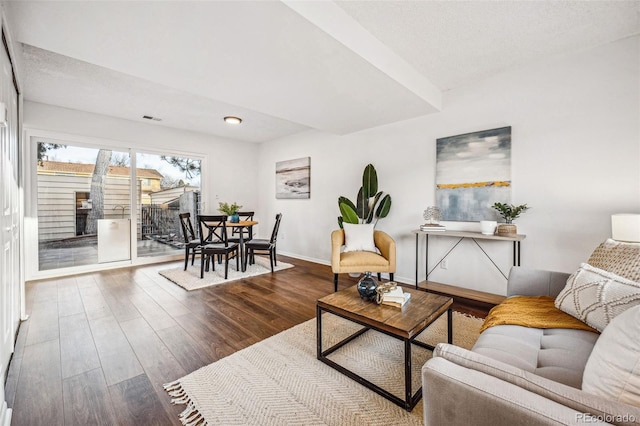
x,y
595,296
613,368
358,237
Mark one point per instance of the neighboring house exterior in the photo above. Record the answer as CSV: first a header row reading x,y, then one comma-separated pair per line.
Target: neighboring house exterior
x,y
63,193
171,195
149,179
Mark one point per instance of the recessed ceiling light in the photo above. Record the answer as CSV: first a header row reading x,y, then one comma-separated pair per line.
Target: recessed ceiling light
x,y
232,120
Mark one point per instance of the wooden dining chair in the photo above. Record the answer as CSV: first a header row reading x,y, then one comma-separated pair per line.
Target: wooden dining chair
x,y
191,243
247,232
263,246
213,231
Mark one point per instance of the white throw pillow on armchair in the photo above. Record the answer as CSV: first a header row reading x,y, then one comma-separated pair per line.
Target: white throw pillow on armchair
x,y
358,237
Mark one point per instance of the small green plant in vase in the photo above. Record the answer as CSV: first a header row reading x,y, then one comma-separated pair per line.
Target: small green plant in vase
x,y
230,210
508,213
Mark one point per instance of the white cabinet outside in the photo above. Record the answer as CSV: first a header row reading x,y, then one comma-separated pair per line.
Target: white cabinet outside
x,y
114,240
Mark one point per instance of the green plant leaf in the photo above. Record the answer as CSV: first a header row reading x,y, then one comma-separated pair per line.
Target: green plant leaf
x,y
229,209
373,207
384,207
348,214
363,205
347,202
510,211
369,181
340,220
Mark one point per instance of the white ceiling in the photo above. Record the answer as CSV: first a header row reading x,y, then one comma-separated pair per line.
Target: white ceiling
x,y
286,67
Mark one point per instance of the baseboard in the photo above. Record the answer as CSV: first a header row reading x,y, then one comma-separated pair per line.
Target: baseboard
x,y
308,259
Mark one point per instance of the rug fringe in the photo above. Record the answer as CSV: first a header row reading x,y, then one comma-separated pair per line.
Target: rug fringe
x,y
175,390
464,314
170,387
191,416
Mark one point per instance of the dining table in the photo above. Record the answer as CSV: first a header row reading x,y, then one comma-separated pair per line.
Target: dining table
x,y
239,226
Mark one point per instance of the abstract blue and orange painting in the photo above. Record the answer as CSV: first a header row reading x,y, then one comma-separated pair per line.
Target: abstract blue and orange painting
x,y
473,171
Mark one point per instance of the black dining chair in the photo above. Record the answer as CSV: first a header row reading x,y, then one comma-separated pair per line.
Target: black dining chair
x,y
263,246
213,231
191,243
247,232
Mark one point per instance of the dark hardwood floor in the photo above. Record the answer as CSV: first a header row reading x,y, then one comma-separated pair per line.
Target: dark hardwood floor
x,y
98,347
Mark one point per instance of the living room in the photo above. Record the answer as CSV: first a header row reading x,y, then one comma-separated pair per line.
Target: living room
x,y
575,119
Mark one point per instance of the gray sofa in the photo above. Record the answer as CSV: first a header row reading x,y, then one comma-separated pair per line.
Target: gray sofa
x,y
519,376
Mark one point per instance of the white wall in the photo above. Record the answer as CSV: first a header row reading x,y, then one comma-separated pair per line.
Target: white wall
x,y
575,160
229,167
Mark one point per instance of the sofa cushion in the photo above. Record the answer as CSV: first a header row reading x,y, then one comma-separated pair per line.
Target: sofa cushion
x,y
358,237
596,296
535,282
455,395
555,353
613,369
590,408
620,258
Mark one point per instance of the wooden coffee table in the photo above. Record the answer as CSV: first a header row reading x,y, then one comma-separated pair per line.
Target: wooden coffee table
x,y
404,323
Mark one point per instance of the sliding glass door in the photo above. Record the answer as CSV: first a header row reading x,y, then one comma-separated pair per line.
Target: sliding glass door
x,y
88,198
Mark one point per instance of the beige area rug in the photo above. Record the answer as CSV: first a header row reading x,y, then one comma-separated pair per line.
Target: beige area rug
x,y
279,381
190,279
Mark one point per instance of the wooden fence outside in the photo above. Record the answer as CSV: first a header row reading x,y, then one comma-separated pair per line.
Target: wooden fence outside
x,y
162,220
157,220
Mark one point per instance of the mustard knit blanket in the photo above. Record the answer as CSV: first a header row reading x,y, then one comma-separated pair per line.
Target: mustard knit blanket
x,y
532,311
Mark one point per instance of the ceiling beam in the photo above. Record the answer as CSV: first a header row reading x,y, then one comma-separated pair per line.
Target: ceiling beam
x,y
334,21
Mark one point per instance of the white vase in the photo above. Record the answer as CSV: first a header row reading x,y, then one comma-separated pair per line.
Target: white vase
x,y
488,227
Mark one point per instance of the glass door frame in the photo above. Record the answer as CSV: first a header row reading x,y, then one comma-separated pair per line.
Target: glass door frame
x,y
31,250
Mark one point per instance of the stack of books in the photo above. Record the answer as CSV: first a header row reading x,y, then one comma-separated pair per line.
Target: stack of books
x,y
396,297
432,227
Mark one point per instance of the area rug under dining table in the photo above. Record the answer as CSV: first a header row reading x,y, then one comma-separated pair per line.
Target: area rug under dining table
x,y
279,381
190,279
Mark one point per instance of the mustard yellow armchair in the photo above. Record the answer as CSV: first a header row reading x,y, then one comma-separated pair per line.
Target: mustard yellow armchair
x,y
363,261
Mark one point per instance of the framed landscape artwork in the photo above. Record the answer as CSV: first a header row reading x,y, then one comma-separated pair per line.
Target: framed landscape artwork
x,y
473,171
293,178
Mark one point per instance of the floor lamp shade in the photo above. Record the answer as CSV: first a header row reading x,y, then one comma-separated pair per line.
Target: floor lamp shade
x,y
625,227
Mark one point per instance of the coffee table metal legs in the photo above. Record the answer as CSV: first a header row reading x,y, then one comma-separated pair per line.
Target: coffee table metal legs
x,y
410,398
449,326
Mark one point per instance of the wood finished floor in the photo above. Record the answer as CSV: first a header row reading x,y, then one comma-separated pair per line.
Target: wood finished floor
x,y
98,347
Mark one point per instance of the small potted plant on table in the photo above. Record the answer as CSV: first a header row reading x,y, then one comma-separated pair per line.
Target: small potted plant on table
x,y
230,210
509,212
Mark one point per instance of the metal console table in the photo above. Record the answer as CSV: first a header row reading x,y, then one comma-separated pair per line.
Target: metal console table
x,y
461,235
